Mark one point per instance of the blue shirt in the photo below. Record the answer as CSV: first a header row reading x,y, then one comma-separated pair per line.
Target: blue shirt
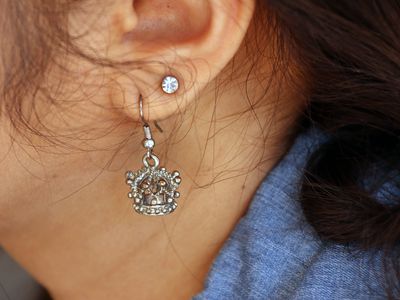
x,y
274,254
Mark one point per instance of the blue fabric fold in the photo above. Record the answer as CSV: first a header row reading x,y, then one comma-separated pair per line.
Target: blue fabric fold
x,y
273,253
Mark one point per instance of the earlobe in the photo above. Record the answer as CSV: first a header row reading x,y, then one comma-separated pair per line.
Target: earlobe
x,y
189,39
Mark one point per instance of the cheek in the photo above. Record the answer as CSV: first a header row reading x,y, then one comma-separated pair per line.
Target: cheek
x,y
22,194
31,191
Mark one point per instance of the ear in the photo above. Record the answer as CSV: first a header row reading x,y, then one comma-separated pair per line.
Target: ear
x,y
190,39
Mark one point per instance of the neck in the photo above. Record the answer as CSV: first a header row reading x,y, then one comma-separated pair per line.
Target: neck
x,y
74,228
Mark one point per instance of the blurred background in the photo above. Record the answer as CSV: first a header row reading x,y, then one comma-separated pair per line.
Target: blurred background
x,y
16,283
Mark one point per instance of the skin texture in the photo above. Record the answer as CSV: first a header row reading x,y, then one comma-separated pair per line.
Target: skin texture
x,y
64,211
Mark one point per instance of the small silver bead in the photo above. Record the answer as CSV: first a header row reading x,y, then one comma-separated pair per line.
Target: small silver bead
x,y
177,194
149,143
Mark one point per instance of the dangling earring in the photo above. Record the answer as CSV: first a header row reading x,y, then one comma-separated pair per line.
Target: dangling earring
x,y
153,189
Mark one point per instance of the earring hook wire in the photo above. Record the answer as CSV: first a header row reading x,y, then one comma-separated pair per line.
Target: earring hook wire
x,y
141,113
141,110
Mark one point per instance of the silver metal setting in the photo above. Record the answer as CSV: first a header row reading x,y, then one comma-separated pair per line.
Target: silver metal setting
x,y
170,84
153,188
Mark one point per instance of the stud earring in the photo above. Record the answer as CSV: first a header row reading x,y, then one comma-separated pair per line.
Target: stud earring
x,y
170,84
153,189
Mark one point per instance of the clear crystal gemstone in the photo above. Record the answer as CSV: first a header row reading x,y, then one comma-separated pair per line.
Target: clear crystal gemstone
x,y
170,84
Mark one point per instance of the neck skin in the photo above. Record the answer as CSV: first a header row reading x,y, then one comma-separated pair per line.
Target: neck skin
x,y
66,218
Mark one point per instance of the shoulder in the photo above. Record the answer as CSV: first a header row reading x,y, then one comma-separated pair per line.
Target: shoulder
x,y
274,254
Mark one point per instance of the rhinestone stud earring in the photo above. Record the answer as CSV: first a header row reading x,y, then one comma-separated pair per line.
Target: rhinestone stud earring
x,y
153,188
170,84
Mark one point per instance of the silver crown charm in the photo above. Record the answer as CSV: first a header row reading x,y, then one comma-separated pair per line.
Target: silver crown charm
x,y
153,189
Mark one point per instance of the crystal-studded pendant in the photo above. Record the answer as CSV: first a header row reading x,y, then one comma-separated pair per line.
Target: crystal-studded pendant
x,y
153,190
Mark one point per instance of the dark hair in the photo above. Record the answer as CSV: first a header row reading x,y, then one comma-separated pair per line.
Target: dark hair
x,y
349,52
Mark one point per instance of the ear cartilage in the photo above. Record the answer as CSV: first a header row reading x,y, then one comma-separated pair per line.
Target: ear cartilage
x,y
170,84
